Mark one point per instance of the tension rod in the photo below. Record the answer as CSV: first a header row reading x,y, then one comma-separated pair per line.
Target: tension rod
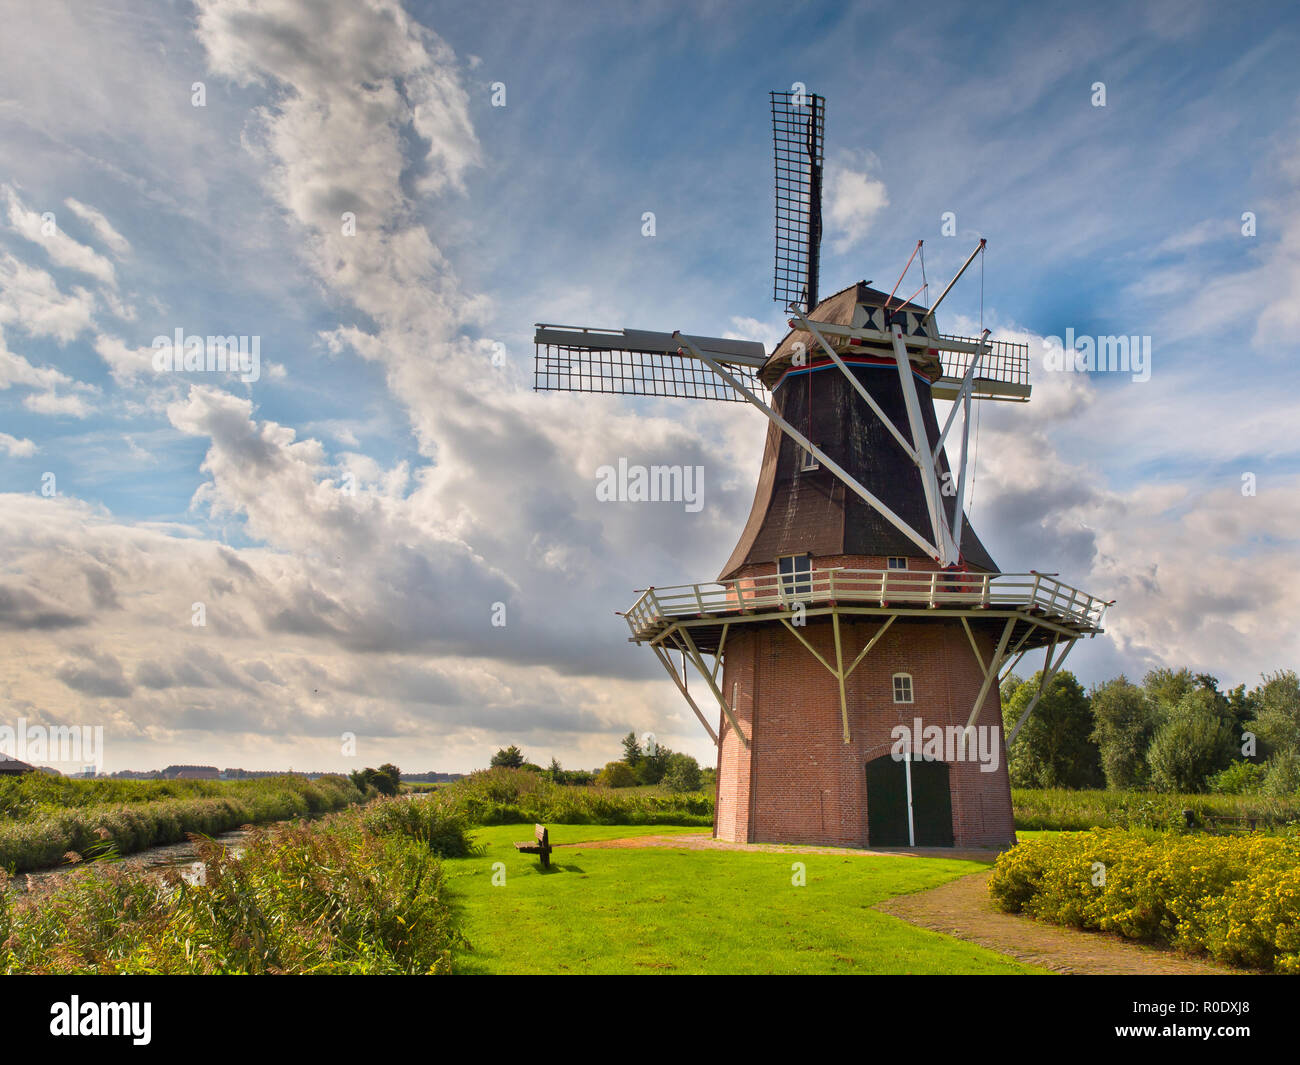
x,y
930,313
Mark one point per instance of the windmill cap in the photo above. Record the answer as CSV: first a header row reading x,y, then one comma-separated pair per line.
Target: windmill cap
x,y
857,305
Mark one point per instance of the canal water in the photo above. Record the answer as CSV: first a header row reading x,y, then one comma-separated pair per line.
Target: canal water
x,y
153,860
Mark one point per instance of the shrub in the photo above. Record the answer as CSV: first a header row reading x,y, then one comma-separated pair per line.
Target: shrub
x,y
1193,744
616,775
1235,898
1240,778
48,832
333,896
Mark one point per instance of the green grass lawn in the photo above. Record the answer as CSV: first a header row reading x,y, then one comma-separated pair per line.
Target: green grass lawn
x,y
683,911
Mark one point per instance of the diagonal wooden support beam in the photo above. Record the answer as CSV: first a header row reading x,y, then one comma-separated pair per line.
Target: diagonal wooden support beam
x,y
870,644
1046,679
839,674
973,646
991,672
698,662
717,655
662,655
811,650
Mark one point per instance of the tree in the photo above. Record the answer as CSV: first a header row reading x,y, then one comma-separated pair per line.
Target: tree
x,y
386,780
1277,717
653,764
632,753
1054,748
1195,742
682,773
508,758
1124,723
1166,687
616,775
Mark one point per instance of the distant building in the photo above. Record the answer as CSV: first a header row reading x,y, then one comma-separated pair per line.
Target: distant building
x,y
12,767
191,772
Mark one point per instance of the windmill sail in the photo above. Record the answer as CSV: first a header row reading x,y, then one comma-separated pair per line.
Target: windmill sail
x,y
798,132
637,362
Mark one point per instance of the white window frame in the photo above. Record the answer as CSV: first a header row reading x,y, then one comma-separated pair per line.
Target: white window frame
x,y
891,559
808,461
911,690
795,583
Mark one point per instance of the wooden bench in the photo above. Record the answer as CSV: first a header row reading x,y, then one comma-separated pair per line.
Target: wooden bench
x,y
541,845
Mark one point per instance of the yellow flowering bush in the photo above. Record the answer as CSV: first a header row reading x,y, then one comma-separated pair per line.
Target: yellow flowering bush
x,y
1234,898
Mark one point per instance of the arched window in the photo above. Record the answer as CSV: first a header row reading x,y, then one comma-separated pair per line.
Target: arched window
x,y
902,687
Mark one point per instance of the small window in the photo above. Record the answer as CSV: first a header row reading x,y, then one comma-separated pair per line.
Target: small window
x,y
897,562
796,575
808,461
902,687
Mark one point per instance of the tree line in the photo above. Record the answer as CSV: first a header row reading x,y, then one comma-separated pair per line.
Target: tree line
x,y
648,763
1174,732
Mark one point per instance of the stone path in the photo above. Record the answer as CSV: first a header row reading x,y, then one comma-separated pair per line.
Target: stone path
x,y
961,908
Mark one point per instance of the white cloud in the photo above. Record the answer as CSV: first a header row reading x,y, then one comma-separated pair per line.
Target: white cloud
x,y
31,300
16,447
854,197
52,403
61,248
100,226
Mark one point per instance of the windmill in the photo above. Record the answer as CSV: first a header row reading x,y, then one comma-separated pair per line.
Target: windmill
x,y
855,639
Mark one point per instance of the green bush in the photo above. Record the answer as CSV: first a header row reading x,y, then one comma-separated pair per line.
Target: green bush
x,y
617,775
445,832
1240,778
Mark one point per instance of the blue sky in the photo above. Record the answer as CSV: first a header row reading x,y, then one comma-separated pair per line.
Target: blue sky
x,y
363,608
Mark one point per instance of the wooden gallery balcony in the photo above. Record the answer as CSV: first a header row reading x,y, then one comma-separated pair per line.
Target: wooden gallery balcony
x,y
1053,609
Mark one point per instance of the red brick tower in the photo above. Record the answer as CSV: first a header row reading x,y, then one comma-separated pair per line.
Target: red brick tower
x,y
859,629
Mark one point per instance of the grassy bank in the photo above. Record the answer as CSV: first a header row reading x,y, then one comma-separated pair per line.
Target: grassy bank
x,y
1061,810
47,819
356,892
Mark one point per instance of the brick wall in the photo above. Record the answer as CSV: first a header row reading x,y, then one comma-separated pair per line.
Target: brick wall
x,y
798,782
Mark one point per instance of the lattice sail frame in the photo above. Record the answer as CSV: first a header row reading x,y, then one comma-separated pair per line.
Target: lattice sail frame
x,y
798,136
628,362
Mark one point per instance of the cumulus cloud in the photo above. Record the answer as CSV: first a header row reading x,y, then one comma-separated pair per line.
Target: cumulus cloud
x,y
854,197
17,447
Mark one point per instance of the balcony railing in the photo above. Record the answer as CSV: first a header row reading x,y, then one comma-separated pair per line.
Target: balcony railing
x,y
1038,593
